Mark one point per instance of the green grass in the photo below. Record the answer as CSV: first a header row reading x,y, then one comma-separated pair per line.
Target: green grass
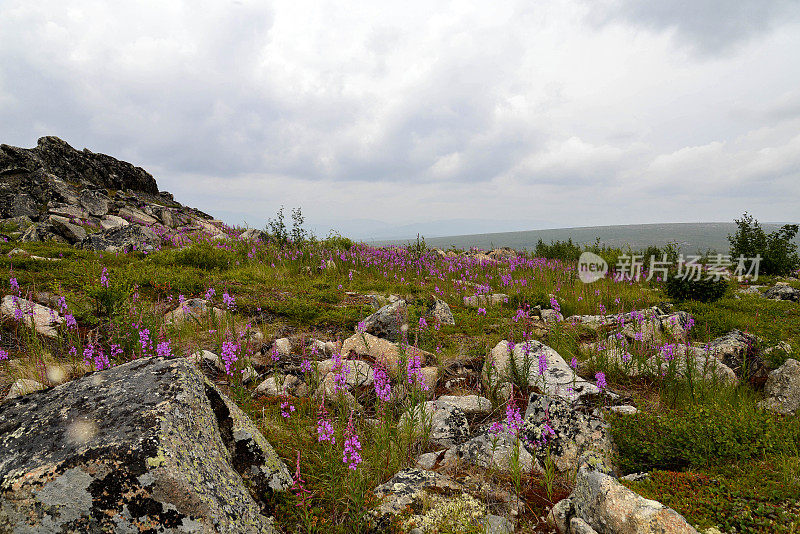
x,y
692,435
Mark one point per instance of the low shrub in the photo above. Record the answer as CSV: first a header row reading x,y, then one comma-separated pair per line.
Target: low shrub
x,y
686,288
706,433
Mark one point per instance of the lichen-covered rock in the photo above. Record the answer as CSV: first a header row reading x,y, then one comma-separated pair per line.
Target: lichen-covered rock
x,y
95,202
148,446
605,505
386,322
71,232
43,319
441,312
407,490
285,385
446,424
521,363
357,373
739,351
498,451
782,291
782,390
132,237
566,431
23,386
469,404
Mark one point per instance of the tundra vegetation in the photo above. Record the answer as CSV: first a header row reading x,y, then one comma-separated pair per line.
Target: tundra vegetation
x,y
713,452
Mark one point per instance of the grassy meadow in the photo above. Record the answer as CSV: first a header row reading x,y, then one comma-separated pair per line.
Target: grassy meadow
x,y
716,457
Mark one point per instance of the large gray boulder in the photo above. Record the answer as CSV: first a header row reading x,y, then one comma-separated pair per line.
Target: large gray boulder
x,y
386,322
69,231
150,445
782,390
600,504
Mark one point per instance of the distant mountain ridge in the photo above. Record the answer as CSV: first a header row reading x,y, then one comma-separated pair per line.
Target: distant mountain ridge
x,y
690,237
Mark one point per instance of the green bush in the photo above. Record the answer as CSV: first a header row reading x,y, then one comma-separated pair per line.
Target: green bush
x,y
686,288
777,250
558,250
199,255
702,434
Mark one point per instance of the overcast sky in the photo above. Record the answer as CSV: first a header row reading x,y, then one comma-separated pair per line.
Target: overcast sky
x,y
530,114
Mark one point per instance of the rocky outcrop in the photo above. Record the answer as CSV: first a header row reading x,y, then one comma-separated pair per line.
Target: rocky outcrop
x,y
52,156
55,193
150,445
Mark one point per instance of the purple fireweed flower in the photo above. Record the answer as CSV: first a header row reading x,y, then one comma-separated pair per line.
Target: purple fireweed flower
x,y
482,311
324,426
163,350
513,418
340,372
210,293
286,409
626,357
104,277
542,362
601,380
414,368
350,455
229,301
496,428
88,352
229,356
362,327
573,363
305,366
14,284
554,304
62,303
144,341
422,324
383,388
101,361
3,355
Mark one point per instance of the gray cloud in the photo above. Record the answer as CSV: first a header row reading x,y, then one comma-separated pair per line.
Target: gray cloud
x,y
709,26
